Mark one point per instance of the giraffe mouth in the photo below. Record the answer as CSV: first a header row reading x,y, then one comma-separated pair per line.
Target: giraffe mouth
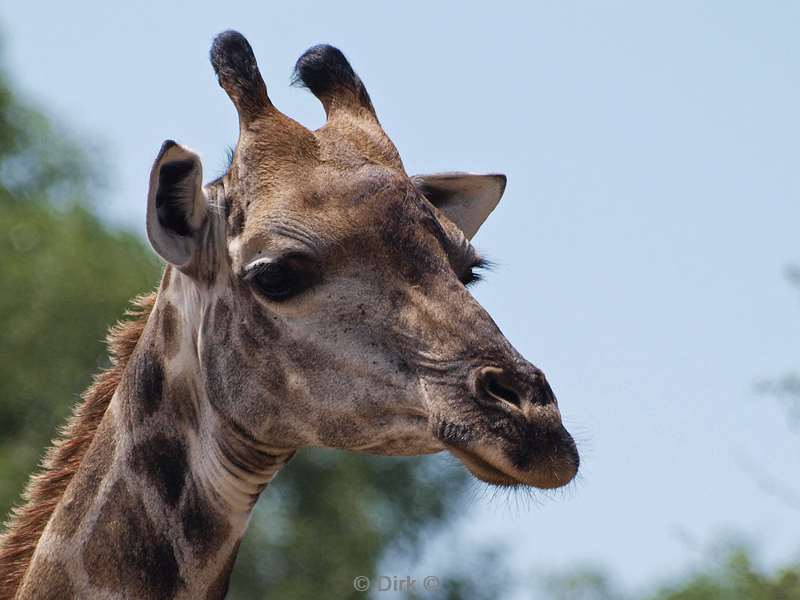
x,y
549,464
497,471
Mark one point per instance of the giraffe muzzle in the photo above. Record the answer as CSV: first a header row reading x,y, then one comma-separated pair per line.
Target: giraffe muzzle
x,y
518,437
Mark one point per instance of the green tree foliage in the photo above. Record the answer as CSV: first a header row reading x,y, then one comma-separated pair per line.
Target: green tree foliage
x,y
582,583
734,578
65,277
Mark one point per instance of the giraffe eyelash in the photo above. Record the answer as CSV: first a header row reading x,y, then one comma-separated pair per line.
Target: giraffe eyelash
x,y
470,277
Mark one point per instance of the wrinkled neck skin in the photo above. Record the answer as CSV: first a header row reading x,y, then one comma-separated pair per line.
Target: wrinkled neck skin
x,y
163,496
234,465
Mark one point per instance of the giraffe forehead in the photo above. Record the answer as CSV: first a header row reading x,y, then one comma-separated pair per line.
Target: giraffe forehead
x,y
326,185
330,208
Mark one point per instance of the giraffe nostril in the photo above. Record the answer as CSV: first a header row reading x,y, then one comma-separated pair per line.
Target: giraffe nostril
x,y
493,386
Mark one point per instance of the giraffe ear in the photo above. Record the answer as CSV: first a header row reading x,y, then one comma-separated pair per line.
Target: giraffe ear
x,y
465,198
176,204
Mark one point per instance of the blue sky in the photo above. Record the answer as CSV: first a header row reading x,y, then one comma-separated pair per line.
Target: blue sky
x,y
651,210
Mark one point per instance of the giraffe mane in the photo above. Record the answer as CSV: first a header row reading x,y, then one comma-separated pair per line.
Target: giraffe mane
x,y
47,486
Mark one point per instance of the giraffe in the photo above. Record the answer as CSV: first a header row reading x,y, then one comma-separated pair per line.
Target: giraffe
x,y
313,296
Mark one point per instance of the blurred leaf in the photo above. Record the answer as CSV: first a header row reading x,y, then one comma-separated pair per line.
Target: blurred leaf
x,y
736,579
583,583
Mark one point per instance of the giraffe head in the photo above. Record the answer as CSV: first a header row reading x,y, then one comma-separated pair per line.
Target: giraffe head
x,y
327,288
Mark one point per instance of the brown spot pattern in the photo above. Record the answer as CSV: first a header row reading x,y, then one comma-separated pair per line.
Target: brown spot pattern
x,y
128,552
163,462
205,528
184,401
145,384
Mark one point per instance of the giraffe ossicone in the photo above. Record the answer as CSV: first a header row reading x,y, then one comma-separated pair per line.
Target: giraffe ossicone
x,y
314,296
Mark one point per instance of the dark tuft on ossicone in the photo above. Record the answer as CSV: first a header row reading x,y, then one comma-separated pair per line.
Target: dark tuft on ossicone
x,y
237,71
325,71
232,56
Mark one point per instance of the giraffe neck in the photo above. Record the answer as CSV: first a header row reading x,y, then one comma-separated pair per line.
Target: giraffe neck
x,y
162,498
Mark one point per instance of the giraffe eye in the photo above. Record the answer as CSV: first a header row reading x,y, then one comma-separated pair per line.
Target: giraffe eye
x,y
281,279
